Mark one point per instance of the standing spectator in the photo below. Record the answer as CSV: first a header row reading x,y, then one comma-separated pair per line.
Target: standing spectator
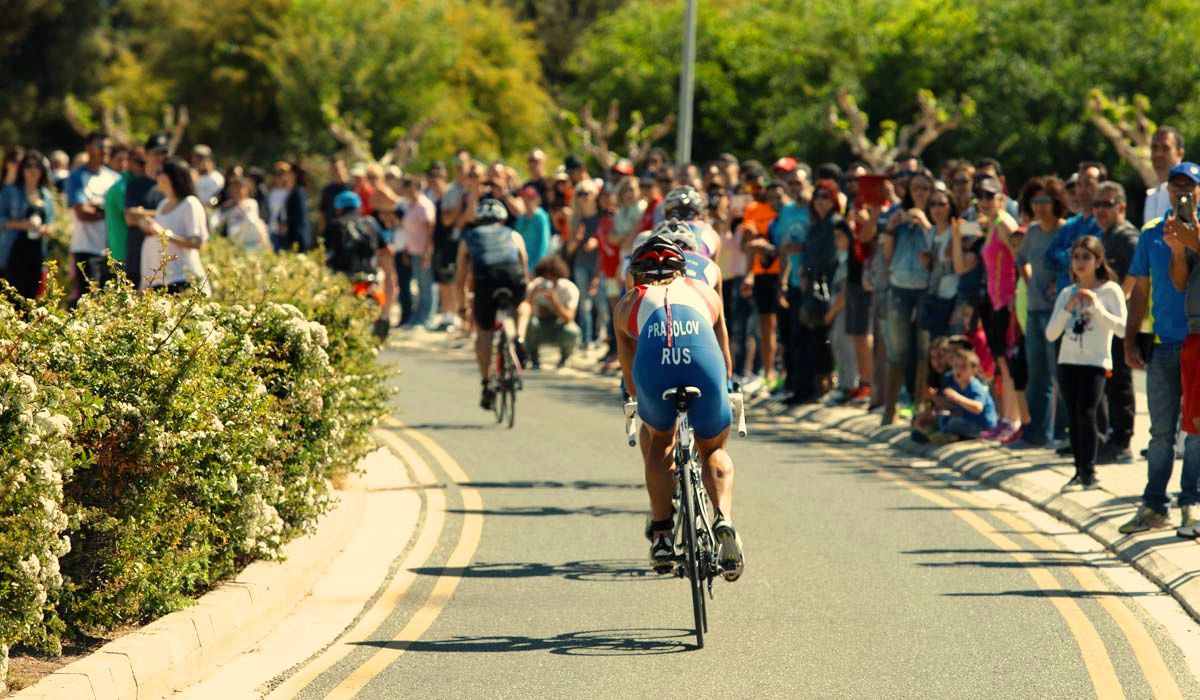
x,y
60,164
576,170
534,226
905,244
607,279
142,198
120,162
209,180
936,309
990,167
339,182
763,281
1166,151
811,310
1120,406
962,189
999,261
296,229
26,215
630,207
239,219
840,343
538,178
419,219
1069,194
360,183
1082,224
177,232
86,188
653,190
1090,311
1185,274
277,198
1042,200
555,301
392,227
12,166
733,262
445,252
791,230
582,250
1151,272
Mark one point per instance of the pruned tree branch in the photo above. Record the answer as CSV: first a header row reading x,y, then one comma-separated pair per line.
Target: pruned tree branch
x,y
595,137
408,146
1127,127
175,122
850,124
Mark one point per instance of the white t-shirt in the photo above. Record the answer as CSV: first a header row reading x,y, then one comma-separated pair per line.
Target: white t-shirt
x,y
276,205
1158,201
244,227
1087,333
208,186
186,220
565,290
86,187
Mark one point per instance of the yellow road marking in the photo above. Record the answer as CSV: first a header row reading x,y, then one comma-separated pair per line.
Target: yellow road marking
x,y
431,531
1095,656
443,590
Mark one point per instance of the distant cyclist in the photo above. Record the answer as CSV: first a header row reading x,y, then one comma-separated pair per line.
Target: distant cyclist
x,y
670,334
699,266
688,205
495,255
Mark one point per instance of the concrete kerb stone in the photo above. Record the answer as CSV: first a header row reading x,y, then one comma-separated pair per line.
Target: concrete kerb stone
x,y
184,647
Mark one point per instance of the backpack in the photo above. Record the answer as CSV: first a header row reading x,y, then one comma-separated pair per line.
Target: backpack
x,y
354,242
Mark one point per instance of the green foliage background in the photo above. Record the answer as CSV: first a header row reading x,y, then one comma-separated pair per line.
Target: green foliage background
x,y
261,76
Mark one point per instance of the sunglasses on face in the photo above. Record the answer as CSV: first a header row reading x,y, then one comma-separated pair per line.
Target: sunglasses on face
x,y
1083,256
985,195
821,195
920,188
1104,203
962,180
1041,199
32,166
903,175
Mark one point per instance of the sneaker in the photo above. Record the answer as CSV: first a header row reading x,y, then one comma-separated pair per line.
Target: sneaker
x,y
1114,455
991,433
919,437
1078,483
861,393
662,554
1189,522
729,550
1146,519
905,413
487,398
1064,444
837,397
1021,444
1015,436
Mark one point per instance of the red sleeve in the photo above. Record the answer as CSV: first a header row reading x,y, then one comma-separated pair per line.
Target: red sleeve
x,y
633,311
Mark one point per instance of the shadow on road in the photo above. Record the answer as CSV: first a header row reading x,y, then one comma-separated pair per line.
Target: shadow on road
x,y
545,511
606,570
1038,593
615,642
581,485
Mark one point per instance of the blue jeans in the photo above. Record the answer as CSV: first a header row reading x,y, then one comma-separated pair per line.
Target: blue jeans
x,y
423,274
901,325
1043,363
1164,394
583,275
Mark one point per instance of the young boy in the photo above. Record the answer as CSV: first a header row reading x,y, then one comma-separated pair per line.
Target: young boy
x,y
965,407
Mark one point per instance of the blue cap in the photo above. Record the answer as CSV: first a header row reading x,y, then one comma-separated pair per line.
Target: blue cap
x,y
1188,168
347,199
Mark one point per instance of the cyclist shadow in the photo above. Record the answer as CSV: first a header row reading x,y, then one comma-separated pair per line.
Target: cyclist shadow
x,y
606,570
611,642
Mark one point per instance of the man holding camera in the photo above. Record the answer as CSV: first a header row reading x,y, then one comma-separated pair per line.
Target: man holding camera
x,y
1151,272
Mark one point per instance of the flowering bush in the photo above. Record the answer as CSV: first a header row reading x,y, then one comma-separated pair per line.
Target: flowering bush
x,y
182,436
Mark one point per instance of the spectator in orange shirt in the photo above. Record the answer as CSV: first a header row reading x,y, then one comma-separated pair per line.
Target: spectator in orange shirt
x,y
763,280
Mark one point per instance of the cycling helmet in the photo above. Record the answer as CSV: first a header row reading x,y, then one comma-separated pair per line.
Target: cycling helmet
x,y
490,210
659,257
684,203
347,199
678,232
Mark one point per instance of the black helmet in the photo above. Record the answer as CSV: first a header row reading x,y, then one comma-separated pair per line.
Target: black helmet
x,y
684,203
678,232
490,210
658,257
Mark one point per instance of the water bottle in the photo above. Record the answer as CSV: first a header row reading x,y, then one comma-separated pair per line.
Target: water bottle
x,y
34,232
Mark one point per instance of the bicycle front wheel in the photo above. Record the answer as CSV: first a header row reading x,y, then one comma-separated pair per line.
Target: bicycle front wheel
x,y
500,350
691,553
510,393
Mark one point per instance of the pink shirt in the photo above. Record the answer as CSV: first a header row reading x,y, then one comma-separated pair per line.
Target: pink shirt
x,y
419,219
1001,269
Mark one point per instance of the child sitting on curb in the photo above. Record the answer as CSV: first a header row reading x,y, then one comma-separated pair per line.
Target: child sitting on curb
x,y
964,405
941,360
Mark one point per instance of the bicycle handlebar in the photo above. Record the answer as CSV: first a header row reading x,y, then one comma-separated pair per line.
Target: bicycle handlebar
x,y
739,412
631,421
631,429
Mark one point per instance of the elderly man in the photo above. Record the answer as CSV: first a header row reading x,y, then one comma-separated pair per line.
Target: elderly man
x,y
1151,272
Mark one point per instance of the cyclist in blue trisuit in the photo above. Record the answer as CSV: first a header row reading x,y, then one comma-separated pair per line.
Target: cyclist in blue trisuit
x,y
687,204
670,334
495,256
699,266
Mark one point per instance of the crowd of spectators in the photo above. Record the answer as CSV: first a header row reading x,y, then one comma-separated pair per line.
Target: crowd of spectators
x,y
931,295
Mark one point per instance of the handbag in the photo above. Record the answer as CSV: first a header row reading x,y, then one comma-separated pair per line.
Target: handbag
x,y
815,303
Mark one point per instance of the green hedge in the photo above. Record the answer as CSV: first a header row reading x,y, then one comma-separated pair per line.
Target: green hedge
x,y
152,445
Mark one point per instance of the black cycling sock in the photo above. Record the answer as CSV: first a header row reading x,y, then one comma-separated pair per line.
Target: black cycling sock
x,y
662,525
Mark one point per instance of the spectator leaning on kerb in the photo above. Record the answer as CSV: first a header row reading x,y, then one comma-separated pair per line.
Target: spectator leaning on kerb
x,y
1151,271
1120,240
1166,151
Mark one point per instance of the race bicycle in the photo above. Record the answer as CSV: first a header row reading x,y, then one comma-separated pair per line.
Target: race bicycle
x,y
506,379
695,543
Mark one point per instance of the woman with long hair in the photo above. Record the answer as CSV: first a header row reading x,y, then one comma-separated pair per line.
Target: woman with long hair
x,y
582,249
172,262
1086,316
26,213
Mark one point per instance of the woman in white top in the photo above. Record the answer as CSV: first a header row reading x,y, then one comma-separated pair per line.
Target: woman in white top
x,y
240,218
1086,315
175,233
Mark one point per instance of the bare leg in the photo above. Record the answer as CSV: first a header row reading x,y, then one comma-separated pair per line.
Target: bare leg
x,y
524,311
766,326
657,448
483,353
718,472
862,354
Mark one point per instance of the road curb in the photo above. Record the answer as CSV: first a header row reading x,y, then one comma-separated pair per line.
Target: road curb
x,y
184,647
1172,563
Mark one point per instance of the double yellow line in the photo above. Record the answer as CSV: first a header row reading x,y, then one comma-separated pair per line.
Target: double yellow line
x,y
1095,655
365,628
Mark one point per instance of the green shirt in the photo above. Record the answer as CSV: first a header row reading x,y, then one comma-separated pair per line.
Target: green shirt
x,y
114,217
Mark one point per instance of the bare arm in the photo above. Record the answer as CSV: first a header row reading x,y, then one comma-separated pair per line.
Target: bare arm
x,y
626,344
462,266
1133,322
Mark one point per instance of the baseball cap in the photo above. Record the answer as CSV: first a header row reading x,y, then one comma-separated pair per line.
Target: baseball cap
x,y
785,165
347,199
358,170
527,191
572,163
624,166
1188,169
990,184
157,142
202,151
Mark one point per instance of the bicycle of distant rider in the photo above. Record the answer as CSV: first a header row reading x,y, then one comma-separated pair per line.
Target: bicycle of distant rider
x,y
696,548
506,376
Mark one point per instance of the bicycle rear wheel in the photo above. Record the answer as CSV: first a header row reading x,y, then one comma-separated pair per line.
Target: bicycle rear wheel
x,y
510,393
500,350
691,553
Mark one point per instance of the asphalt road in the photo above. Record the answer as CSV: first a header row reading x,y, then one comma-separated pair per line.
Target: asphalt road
x,y
867,575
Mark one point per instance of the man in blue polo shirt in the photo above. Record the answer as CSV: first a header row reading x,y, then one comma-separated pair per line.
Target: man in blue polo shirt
x,y
1058,255
1151,271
